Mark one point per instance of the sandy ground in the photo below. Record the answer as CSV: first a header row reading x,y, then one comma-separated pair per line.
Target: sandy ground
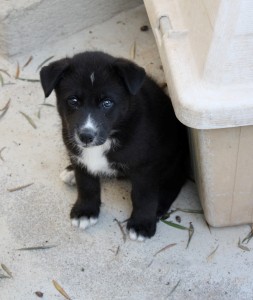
x,y
98,263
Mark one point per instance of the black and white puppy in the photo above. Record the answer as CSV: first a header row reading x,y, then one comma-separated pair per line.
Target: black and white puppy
x,y
116,120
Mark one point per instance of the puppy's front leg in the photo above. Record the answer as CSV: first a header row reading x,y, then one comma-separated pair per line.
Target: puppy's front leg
x,y
86,209
142,223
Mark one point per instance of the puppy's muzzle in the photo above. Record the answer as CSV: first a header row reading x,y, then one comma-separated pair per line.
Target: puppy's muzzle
x,y
87,136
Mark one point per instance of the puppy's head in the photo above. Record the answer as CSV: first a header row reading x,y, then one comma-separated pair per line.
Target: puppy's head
x,y
94,94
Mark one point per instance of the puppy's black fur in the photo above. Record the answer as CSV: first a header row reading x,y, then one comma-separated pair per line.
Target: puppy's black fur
x,y
132,116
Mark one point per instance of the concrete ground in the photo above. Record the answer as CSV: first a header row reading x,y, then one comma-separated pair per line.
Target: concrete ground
x,y
98,263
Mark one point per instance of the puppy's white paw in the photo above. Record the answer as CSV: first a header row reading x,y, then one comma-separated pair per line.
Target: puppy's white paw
x,y
136,237
68,176
84,222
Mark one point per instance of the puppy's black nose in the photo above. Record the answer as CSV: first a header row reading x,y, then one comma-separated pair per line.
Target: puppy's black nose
x,y
87,136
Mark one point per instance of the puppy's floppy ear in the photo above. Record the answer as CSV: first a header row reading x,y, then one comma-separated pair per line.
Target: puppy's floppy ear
x,y
51,75
132,75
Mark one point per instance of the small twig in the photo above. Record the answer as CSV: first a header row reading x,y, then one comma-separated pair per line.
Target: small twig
x,y
19,187
208,226
150,263
117,251
165,248
36,248
121,229
174,288
249,235
191,232
48,104
28,79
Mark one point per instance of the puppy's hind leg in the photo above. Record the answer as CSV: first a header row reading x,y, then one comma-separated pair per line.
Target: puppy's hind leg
x,y
168,193
166,197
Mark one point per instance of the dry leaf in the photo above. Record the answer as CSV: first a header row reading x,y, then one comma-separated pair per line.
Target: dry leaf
x,y
19,187
242,246
28,61
175,225
133,51
1,79
211,255
190,211
5,108
5,72
17,71
6,270
29,119
1,150
60,290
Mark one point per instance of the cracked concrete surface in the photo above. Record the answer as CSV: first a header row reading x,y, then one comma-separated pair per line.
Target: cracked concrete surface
x,y
97,263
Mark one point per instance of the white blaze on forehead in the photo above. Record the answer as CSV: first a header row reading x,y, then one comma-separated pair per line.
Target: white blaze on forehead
x,y
92,77
89,124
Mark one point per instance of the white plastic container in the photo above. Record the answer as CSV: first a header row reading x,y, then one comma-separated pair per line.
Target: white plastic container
x,y
206,49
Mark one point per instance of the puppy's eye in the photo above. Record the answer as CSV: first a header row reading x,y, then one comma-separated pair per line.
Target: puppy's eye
x,y
73,102
107,103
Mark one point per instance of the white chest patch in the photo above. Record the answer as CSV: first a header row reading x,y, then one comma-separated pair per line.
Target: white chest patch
x,y
94,159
